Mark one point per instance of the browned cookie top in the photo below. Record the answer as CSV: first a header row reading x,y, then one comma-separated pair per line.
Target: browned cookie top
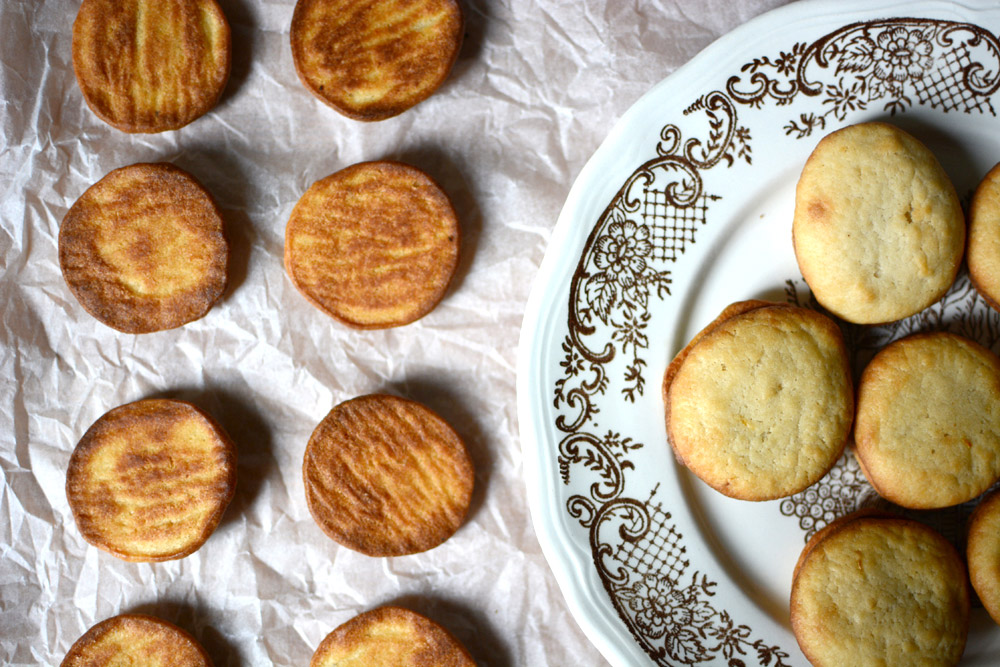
x,y
374,59
391,637
386,476
144,249
150,480
373,245
136,639
151,65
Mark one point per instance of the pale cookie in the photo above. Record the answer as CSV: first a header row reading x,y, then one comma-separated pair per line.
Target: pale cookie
x,y
391,637
759,405
144,249
374,59
983,553
136,639
983,254
880,591
150,480
374,245
151,65
927,431
878,230
386,476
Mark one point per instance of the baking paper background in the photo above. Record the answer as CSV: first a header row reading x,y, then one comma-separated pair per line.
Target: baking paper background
x,y
535,90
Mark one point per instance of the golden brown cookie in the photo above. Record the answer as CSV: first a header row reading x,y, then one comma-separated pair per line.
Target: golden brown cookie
x,y
759,404
136,639
144,249
149,481
150,65
374,59
983,553
983,254
386,476
878,230
373,245
391,637
880,591
927,432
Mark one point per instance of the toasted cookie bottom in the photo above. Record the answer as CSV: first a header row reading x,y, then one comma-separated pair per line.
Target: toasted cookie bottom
x,y
391,637
136,639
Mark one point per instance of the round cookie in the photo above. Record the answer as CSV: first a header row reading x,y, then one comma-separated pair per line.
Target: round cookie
x,y
150,480
136,639
391,637
927,429
983,254
878,230
386,476
983,553
151,65
374,245
144,249
374,59
759,405
880,591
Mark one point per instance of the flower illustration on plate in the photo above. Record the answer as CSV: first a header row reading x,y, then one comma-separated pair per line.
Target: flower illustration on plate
x,y
663,611
622,251
901,55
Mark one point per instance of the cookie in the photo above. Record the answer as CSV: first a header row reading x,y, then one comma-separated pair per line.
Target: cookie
x,y
759,405
374,245
983,253
878,230
150,480
983,553
151,65
386,476
374,59
144,249
927,431
880,591
136,639
391,637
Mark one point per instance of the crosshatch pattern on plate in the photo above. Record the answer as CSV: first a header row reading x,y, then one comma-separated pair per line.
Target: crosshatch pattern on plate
x,y
638,552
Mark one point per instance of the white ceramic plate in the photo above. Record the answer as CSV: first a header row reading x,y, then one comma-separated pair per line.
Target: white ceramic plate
x,y
685,208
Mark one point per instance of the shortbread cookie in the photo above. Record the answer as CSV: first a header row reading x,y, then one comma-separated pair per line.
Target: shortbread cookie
x,y
983,553
386,476
374,245
151,65
136,639
144,249
150,480
878,230
759,405
880,591
391,637
374,59
983,254
927,433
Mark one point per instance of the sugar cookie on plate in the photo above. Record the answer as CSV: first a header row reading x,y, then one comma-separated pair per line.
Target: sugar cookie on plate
x,y
927,430
878,230
759,404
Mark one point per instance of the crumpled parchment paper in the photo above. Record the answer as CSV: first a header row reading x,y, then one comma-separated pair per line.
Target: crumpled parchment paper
x,y
538,85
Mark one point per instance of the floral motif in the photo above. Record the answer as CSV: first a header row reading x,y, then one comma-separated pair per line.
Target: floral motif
x,y
899,54
622,252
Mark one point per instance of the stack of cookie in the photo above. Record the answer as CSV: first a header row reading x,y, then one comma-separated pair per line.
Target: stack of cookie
x,y
761,403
